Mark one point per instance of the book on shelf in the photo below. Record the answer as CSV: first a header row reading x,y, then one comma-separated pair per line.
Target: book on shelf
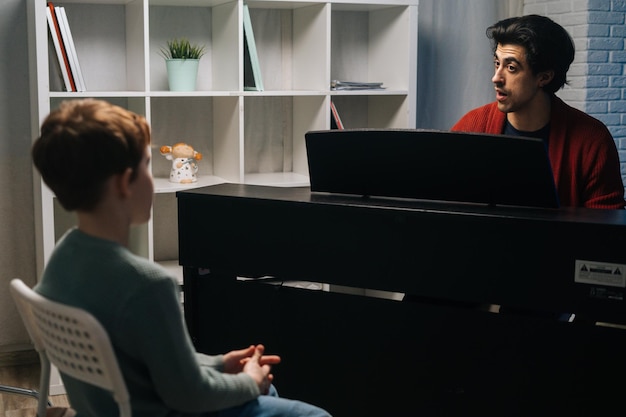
x,y
61,54
355,85
335,120
68,41
252,80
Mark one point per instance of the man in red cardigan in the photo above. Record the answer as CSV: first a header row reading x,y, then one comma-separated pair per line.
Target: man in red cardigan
x,y
532,55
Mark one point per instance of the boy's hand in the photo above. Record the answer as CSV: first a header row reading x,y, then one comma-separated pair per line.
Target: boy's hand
x,y
258,371
235,360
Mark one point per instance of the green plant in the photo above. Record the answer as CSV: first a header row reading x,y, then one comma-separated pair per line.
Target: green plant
x,y
182,49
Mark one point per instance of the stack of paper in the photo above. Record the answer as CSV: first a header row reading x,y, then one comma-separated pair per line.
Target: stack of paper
x,y
355,85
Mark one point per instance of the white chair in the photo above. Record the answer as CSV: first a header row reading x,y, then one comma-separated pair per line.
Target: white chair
x,y
20,391
74,341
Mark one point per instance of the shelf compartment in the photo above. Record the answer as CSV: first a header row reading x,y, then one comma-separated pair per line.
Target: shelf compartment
x,y
215,26
374,111
291,40
209,124
274,146
370,44
115,65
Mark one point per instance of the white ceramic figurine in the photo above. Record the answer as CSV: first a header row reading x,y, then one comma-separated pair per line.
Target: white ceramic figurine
x,y
184,166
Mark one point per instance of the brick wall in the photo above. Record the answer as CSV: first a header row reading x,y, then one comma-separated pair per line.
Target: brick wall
x,y
597,77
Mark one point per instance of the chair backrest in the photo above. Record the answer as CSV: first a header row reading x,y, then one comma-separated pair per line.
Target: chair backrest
x,y
73,340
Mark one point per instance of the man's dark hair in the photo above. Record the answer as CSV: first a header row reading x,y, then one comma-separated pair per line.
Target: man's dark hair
x,y
82,144
548,45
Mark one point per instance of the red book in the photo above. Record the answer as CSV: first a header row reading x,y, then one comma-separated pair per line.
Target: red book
x,y
336,122
65,61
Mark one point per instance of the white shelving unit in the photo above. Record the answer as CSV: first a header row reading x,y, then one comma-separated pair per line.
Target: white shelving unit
x,y
245,136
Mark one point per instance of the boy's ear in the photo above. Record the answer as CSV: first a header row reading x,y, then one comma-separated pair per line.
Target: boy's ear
x,y
123,182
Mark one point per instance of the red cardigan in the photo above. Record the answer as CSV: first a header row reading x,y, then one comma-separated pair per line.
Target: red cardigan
x,y
582,152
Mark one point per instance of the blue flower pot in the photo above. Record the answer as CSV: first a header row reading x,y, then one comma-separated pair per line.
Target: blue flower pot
x,y
182,74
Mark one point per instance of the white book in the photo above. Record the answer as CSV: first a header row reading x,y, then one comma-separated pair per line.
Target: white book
x,y
66,44
78,74
57,46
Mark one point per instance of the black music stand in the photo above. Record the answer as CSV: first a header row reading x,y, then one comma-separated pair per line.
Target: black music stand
x,y
432,165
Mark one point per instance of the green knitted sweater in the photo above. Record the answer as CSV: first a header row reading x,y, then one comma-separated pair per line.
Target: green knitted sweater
x,y
138,304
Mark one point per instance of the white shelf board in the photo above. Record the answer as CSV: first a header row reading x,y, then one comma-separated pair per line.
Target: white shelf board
x,y
383,92
285,93
190,3
84,94
163,185
97,1
278,179
196,93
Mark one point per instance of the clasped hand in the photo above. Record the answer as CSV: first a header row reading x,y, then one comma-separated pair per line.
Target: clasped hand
x,y
253,362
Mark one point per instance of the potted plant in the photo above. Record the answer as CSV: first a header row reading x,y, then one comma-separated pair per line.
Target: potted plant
x,y
181,60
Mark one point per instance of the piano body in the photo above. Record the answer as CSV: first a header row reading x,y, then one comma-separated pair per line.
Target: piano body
x,y
440,354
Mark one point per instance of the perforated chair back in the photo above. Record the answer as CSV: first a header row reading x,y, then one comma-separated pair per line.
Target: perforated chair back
x,y
74,341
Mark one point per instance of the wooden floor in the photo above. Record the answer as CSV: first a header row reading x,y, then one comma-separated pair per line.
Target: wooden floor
x,y
22,371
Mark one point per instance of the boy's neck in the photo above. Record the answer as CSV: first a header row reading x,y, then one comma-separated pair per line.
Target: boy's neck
x,y
104,227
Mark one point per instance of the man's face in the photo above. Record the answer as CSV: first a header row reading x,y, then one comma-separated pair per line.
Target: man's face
x,y
516,86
